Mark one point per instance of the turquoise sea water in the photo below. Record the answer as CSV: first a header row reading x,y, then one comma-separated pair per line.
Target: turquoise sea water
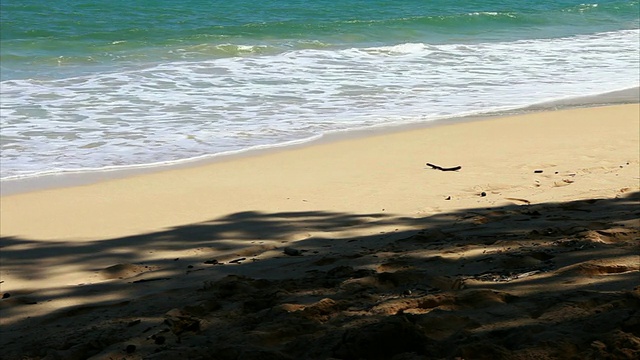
x,y
90,85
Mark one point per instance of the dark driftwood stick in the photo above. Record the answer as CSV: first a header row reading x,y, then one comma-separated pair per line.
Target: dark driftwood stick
x,y
455,168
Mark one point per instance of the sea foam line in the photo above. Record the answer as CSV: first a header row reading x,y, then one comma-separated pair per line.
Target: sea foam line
x,y
624,95
173,110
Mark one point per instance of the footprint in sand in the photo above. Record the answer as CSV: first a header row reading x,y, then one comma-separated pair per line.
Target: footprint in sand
x,y
393,265
125,271
596,269
612,235
12,300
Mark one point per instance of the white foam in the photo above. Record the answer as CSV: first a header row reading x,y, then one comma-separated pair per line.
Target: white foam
x,y
179,110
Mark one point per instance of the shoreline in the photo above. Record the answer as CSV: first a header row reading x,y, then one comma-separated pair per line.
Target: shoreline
x,y
85,177
273,179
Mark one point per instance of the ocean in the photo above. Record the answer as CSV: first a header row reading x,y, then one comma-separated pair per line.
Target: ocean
x,y
90,86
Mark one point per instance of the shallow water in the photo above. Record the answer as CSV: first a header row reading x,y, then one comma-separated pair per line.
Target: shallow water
x,y
90,86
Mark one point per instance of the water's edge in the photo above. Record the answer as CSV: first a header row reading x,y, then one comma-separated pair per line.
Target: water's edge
x,y
59,180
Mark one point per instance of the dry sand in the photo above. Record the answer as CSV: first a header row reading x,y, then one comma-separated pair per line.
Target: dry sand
x,y
353,249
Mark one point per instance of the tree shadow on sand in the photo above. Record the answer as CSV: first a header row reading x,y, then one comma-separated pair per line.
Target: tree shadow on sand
x,y
551,280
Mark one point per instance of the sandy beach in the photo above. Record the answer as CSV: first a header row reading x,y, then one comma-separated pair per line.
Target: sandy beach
x,y
349,249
